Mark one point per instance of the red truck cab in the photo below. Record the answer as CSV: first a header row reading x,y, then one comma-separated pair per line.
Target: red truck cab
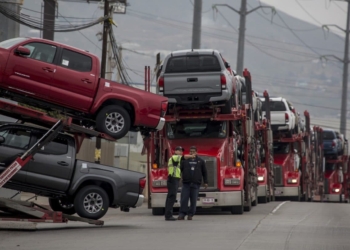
x,y
216,146
286,170
51,75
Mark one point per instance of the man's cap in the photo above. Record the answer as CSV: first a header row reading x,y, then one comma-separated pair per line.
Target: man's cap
x,y
193,147
179,148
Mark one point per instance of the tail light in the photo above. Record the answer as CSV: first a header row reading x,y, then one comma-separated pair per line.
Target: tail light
x,y
142,184
223,81
333,144
286,116
161,84
164,108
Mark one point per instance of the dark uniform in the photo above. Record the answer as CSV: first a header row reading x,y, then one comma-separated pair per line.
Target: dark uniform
x,y
193,170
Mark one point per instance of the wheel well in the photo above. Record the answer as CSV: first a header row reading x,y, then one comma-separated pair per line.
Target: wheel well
x,y
128,106
105,185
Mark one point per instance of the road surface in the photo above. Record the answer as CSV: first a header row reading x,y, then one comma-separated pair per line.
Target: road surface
x,y
272,226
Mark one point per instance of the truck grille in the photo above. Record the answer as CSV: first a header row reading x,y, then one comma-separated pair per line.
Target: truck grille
x,y
278,175
210,163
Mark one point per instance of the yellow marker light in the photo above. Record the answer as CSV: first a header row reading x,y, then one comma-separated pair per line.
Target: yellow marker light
x,y
238,164
154,166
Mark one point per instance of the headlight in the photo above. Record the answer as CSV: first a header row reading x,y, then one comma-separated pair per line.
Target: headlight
x,y
336,190
160,183
292,181
260,178
232,182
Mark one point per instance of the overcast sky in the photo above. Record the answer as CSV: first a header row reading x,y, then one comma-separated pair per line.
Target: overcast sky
x,y
320,11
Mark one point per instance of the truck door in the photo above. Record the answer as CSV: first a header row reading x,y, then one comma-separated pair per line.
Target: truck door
x,y
16,141
52,166
32,74
75,80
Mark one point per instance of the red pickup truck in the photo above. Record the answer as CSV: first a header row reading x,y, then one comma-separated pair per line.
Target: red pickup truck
x,y
55,76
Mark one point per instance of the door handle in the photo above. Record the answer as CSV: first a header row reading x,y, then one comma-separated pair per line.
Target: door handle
x,y
192,79
86,80
47,69
62,163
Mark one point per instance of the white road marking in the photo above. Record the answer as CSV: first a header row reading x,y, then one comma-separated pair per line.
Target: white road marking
x,y
280,205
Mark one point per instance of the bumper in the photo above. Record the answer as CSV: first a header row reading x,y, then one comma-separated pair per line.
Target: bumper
x,y
200,98
262,191
333,197
286,191
140,201
280,127
160,124
222,199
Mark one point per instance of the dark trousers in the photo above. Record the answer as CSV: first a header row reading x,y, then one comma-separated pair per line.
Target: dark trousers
x,y
173,185
189,192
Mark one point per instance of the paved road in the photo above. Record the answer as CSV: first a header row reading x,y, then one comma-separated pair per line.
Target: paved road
x,y
272,226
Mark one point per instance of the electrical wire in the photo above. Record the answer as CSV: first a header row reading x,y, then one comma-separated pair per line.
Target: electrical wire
x,y
35,24
224,30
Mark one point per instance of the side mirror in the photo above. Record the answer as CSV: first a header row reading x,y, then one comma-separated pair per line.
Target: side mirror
x,y
2,139
23,51
227,65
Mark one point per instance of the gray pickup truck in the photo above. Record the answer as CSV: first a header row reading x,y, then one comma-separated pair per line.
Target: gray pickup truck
x,y
197,77
72,186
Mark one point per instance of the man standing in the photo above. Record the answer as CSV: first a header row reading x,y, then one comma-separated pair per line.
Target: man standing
x,y
174,175
193,170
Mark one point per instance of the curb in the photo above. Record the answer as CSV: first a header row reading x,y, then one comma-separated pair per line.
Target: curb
x,y
18,225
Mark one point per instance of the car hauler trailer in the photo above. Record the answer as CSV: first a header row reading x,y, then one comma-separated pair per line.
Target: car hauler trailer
x,y
293,164
14,210
265,156
227,144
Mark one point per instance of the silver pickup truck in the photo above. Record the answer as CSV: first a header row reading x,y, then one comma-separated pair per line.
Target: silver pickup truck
x,y
197,77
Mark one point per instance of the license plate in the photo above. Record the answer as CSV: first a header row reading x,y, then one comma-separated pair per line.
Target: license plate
x,y
208,200
277,192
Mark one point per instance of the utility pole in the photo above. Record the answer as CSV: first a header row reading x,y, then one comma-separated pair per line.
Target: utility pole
x,y
9,28
106,27
242,23
345,62
197,24
49,19
120,56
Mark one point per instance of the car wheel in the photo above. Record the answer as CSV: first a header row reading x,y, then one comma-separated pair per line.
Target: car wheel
x,y
114,121
91,202
62,205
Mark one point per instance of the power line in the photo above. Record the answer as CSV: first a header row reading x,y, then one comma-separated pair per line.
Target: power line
x,y
35,24
224,30
302,7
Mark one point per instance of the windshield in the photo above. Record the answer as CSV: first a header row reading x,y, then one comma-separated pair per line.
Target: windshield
x,y
274,106
9,43
197,63
196,129
328,135
281,148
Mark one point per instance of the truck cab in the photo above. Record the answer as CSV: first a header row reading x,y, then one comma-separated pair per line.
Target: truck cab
x,y
217,147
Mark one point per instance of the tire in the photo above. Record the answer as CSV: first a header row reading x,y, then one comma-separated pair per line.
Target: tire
x,y
262,199
91,193
255,203
106,118
61,205
158,211
238,209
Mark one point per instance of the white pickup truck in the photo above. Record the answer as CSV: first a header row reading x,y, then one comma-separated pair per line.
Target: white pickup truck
x,y
283,116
